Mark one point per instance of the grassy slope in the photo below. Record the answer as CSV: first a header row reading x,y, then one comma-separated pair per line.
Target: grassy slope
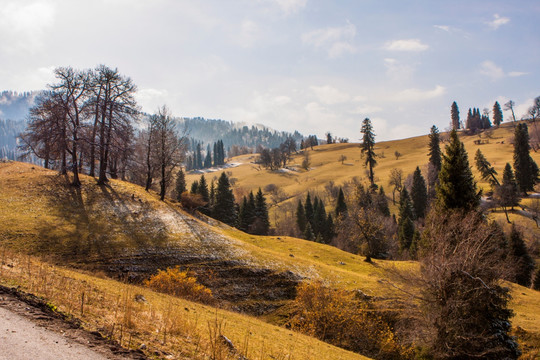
x,y
326,167
42,215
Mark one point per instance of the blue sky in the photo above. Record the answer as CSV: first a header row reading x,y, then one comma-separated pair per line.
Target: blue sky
x,y
310,65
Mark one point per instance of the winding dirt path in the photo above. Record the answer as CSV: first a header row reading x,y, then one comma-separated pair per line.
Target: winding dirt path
x,y
30,330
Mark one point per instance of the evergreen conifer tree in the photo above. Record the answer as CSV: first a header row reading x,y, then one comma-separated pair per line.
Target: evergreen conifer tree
x,y
456,188
368,148
202,189
208,158
180,184
198,158
261,215
526,169
486,170
523,262
405,221
508,194
382,203
301,220
319,217
308,207
329,230
212,197
435,148
195,187
419,195
454,113
308,233
497,114
341,205
242,216
225,207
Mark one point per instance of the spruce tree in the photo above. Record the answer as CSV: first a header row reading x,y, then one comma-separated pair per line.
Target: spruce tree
x,y
405,221
308,207
208,159
261,215
456,188
382,203
368,148
523,262
195,187
225,207
242,216
508,194
301,220
198,158
525,167
180,184
341,205
454,113
419,195
319,218
329,230
202,189
497,114
435,148
308,233
212,200
486,170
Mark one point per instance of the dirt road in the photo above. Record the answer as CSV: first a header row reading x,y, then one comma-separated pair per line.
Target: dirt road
x,y
30,330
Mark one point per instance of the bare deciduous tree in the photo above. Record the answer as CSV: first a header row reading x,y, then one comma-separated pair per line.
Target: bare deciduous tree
x,y
396,180
170,148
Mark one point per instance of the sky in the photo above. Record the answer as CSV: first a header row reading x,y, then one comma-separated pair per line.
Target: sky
x,y
308,65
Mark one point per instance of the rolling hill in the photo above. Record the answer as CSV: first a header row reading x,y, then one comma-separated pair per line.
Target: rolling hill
x,y
100,237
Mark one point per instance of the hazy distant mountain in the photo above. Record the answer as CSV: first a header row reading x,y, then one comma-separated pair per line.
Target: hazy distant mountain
x,y
15,106
208,131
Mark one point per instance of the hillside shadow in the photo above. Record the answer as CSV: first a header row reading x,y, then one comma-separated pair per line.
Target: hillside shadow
x,y
92,222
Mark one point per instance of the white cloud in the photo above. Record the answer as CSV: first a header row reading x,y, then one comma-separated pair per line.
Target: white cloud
x,y
22,24
406,45
495,72
290,6
442,27
335,40
397,71
490,69
366,110
151,99
330,95
497,21
249,31
516,73
419,95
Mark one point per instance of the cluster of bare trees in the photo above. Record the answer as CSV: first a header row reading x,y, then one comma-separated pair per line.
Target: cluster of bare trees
x,y
85,123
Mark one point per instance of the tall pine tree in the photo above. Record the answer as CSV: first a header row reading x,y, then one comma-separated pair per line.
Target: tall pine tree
x,y
522,261
497,114
456,188
180,184
525,167
454,113
262,223
225,207
301,219
419,195
405,221
341,205
368,148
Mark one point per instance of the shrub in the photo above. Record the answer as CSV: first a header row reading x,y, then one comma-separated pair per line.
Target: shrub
x,y
179,283
191,202
345,320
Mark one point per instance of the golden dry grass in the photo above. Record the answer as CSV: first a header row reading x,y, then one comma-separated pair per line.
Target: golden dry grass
x,y
172,326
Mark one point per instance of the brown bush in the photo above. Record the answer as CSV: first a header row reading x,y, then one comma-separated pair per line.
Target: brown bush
x,y
179,283
338,317
191,202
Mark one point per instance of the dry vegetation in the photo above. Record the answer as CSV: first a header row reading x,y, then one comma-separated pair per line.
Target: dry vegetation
x,y
41,215
168,326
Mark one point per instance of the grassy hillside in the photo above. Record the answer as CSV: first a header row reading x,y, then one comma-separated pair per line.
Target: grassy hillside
x,y
326,166
122,231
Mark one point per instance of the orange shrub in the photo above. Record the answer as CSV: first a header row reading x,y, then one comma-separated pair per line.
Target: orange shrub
x,y
179,283
337,317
